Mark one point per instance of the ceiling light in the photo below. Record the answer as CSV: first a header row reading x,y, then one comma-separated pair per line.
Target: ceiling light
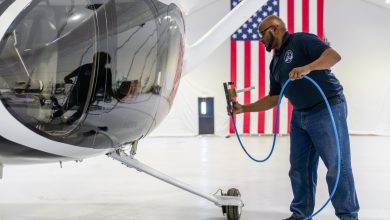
x,y
76,17
388,1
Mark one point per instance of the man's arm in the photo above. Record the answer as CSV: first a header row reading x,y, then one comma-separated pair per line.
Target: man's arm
x,y
263,104
327,59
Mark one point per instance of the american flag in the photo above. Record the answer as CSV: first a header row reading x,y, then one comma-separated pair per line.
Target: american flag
x,y
250,61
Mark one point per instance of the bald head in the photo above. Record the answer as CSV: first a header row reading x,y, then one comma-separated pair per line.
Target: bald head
x,y
271,31
273,20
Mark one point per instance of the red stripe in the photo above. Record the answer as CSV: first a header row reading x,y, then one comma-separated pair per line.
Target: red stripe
x,y
233,73
247,83
261,86
290,17
290,110
320,19
305,15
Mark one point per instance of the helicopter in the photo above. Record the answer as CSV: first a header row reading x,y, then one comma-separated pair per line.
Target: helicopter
x,y
82,78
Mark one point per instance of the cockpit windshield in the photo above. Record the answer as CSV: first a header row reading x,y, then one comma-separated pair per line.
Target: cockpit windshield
x,y
77,70
47,62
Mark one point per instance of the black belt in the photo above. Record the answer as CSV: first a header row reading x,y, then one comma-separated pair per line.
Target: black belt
x,y
334,100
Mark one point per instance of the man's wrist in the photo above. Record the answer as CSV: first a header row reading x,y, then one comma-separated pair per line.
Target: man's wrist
x,y
310,67
244,108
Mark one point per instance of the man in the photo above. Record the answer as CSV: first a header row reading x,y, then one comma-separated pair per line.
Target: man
x,y
312,134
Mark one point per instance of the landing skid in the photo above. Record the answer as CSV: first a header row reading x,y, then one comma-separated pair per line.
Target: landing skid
x,y
230,202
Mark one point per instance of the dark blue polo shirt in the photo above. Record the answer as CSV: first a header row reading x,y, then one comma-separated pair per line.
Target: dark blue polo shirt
x,y
298,50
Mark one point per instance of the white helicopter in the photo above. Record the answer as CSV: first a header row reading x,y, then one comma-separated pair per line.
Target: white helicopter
x,y
81,78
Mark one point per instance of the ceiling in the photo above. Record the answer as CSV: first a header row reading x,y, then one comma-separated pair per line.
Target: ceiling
x,y
380,3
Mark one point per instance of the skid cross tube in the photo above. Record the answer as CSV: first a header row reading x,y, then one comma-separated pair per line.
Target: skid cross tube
x,y
131,162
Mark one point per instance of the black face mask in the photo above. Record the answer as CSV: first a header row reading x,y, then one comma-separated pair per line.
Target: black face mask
x,y
269,46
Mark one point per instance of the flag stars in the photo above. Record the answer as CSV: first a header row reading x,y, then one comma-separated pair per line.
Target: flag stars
x,y
249,30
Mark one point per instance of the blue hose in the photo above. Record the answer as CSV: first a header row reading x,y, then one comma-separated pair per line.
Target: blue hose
x,y
273,143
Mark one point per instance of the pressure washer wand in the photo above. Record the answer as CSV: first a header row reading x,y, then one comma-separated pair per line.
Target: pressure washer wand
x,y
228,96
245,90
231,93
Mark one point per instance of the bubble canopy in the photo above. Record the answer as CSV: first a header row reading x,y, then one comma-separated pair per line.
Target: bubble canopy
x,y
70,64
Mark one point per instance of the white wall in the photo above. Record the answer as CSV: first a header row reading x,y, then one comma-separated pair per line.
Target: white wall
x,y
361,34
358,30
205,81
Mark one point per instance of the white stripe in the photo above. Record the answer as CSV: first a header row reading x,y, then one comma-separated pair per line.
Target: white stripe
x,y
283,10
283,119
240,83
298,16
268,114
254,82
313,17
284,105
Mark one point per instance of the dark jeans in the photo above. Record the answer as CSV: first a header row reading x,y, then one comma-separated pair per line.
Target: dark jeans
x,y
312,137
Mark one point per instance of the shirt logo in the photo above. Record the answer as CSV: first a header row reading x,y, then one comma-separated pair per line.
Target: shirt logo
x,y
288,56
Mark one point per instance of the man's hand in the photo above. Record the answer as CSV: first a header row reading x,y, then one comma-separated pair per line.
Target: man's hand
x,y
299,72
237,109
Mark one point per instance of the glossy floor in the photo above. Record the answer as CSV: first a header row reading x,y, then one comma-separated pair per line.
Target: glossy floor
x,y
100,188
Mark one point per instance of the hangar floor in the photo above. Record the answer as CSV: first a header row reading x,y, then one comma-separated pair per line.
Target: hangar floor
x,y
100,188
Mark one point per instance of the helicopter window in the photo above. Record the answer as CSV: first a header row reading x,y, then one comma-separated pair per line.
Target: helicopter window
x,y
134,39
47,50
